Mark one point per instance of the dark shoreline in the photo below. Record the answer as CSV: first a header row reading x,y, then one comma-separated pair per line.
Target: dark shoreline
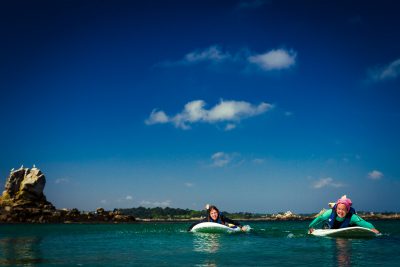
x,y
20,215
147,221
23,201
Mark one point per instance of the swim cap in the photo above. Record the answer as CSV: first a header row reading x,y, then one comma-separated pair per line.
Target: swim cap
x,y
345,201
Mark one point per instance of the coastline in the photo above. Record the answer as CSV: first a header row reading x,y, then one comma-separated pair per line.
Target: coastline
x,y
374,217
23,201
38,216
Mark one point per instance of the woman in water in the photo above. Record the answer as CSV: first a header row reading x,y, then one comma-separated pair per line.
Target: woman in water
x,y
213,215
340,216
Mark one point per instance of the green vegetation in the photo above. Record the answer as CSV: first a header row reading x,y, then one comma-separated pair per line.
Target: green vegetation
x,y
187,214
162,213
172,213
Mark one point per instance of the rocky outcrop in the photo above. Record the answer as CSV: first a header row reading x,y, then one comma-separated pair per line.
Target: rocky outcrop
x,y
24,189
288,215
23,201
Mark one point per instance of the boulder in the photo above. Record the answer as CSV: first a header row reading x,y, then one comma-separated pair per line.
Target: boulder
x,y
100,211
23,201
24,188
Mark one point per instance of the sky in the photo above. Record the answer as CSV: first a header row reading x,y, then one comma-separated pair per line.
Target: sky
x,y
251,105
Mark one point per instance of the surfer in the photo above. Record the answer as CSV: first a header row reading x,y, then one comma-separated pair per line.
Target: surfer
x,y
341,215
213,215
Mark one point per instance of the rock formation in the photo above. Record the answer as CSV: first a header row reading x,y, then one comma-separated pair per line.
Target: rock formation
x,y
288,215
24,189
23,201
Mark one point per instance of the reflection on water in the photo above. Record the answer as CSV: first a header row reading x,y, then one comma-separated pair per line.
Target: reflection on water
x,y
343,252
204,242
208,263
20,250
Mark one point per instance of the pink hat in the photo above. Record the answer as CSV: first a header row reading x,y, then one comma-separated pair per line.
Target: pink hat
x,y
345,201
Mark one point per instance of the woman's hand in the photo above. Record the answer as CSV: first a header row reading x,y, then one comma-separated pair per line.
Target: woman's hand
x,y
310,230
375,231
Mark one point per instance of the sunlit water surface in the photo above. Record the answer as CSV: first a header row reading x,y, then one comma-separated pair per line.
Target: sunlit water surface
x,y
169,244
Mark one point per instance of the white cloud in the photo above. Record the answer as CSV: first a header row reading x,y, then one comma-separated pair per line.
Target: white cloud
x,y
230,126
211,54
194,111
258,161
375,175
226,111
221,159
326,182
390,71
189,184
103,201
124,199
161,204
157,117
274,60
235,110
61,181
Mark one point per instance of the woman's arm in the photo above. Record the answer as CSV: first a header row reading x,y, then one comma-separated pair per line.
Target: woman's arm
x,y
227,220
323,217
357,220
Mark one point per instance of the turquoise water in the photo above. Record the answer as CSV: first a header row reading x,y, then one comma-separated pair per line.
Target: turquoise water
x,y
168,244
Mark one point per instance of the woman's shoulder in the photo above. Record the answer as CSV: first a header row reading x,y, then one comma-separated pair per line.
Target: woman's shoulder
x,y
326,213
355,217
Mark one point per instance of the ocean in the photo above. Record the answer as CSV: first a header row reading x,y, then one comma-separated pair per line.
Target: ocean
x,y
283,243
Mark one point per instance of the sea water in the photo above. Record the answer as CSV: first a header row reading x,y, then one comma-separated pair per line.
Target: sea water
x,y
169,244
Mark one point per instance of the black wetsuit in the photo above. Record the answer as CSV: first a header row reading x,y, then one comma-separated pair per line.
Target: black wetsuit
x,y
221,219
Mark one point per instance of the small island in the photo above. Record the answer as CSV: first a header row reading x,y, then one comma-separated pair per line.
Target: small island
x,y
23,201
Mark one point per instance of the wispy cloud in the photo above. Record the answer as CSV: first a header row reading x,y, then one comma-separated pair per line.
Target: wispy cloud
x,y
61,181
230,126
122,200
161,204
211,54
221,159
231,112
375,175
388,72
258,161
326,182
187,184
274,60
157,117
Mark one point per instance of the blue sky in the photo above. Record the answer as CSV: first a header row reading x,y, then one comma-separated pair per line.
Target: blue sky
x,y
259,106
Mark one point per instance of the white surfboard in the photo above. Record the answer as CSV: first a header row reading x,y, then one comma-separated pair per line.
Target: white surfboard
x,y
211,227
348,232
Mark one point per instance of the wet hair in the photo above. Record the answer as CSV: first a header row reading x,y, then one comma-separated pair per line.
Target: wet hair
x,y
212,207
